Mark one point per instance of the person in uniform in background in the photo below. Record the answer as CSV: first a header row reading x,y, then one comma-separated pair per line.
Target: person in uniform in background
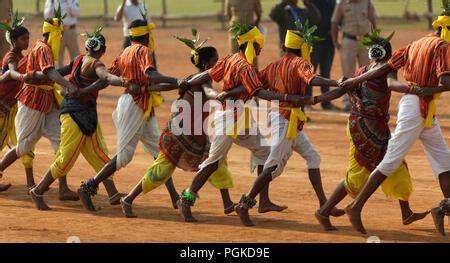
x,y
281,15
248,12
356,19
323,52
69,39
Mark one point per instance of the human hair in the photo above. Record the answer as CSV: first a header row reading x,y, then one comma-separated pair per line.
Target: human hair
x,y
297,52
17,32
204,55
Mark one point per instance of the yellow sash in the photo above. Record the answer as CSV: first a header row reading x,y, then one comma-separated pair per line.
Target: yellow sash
x,y
155,100
431,108
242,122
296,115
55,88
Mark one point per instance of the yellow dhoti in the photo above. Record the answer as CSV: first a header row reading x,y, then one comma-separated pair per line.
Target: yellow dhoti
x,y
162,169
8,135
398,185
74,142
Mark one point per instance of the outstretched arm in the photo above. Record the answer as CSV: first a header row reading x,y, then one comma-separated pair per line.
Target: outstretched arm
x,y
321,81
229,93
71,89
156,77
329,96
199,79
296,100
371,74
161,87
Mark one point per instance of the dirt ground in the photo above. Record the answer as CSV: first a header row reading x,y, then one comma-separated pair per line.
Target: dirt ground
x,y
158,222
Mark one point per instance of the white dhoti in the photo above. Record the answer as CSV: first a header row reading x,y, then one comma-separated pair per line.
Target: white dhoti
x,y
410,127
221,142
31,125
133,127
281,148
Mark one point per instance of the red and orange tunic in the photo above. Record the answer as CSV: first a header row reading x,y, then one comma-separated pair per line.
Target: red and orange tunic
x,y
289,75
133,64
39,59
10,88
234,70
424,61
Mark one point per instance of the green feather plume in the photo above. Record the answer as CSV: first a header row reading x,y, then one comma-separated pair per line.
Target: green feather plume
x,y
374,38
194,43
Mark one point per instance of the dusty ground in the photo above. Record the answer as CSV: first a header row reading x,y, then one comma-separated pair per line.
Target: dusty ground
x,y
158,222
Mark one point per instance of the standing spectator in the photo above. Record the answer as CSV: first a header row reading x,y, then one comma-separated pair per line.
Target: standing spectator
x,y
128,11
70,37
323,51
280,15
248,11
356,18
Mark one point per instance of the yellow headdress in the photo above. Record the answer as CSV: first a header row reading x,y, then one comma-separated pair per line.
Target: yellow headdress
x,y
293,40
144,30
302,39
443,21
55,30
244,33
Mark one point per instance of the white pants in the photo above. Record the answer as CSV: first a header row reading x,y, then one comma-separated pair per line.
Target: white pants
x,y
31,125
409,129
133,127
281,149
221,143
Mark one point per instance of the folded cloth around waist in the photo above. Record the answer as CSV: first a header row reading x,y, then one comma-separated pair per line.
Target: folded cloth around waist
x,y
83,113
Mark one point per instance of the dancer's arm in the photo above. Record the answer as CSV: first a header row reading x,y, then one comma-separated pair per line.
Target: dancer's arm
x,y
296,100
70,89
161,87
371,74
329,96
321,81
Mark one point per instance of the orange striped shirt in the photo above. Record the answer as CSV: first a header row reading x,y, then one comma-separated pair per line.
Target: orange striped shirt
x,y
39,59
424,61
289,75
234,70
133,64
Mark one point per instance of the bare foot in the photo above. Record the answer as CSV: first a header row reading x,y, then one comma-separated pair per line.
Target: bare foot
x,y
324,221
127,208
39,201
186,212
68,195
335,212
86,200
264,208
175,203
229,209
438,219
243,215
355,219
4,187
115,199
415,217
